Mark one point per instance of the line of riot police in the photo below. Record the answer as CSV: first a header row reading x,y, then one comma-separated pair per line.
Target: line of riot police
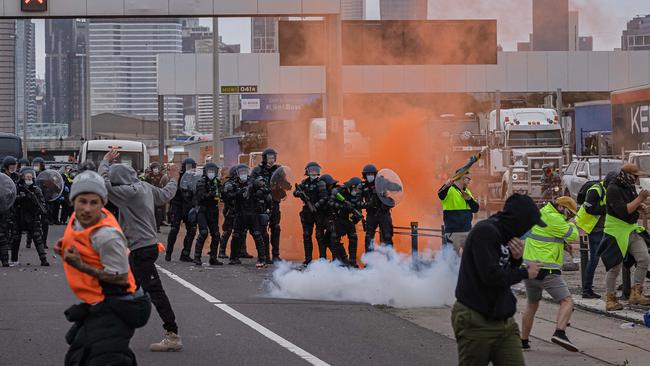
x,y
251,205
30,200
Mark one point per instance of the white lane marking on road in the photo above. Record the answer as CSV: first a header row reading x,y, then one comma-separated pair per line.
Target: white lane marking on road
x,y
248,321
209,298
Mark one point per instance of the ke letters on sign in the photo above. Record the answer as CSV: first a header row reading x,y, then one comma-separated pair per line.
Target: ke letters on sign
x,y
640,119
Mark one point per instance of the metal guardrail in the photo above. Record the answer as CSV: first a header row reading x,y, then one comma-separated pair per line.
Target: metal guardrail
x,y
415,231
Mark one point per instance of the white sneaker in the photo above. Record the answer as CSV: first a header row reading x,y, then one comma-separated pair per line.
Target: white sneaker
x,y
170,343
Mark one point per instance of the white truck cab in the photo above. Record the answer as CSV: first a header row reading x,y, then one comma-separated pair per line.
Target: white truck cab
x,y
642,159
133,153
522,142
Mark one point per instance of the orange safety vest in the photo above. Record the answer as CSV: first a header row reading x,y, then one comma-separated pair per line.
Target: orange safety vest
x,y
86,287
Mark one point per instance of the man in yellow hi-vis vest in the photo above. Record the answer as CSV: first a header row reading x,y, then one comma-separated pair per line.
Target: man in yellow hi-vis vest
x,y
624,241
546,245
591,220
458,209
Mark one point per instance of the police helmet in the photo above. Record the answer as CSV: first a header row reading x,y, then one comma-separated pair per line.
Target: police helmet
x,y
87,165
210,166
38,161
328,179
312,164
189,161
23,162
8,161
353,182
369,169
266,153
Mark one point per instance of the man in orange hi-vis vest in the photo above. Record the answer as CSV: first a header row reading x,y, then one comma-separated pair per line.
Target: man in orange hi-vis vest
x,y
96,265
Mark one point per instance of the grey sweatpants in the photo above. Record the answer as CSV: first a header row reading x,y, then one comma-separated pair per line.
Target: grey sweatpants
x,y
637,249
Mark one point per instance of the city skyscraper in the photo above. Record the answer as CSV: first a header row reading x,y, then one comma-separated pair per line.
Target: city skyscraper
x,y
7,76
551,25
403,9
25,73
637,35
65,71
123,67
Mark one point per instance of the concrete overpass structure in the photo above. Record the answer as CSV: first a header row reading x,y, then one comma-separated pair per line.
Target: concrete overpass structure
x,y
183,74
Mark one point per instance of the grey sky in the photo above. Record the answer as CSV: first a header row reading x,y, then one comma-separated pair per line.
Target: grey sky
x,y
604,19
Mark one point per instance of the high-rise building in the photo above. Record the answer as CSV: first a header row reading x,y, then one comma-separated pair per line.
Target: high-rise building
x,y
637,35
65,72
25,73
123,67
403,9
264,34
7,75
550,25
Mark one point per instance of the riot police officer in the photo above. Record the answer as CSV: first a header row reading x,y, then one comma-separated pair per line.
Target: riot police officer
x,y
157,178
252,199
9,167
38,165
30,207
66,208
181,205
377,213
345,202
7,198
265,170
208,196
21,163
313,192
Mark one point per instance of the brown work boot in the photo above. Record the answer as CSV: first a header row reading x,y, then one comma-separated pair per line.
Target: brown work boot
x,y
612,302
170,343
637,297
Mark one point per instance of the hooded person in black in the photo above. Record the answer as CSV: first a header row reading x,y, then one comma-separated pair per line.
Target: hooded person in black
x,y
490,264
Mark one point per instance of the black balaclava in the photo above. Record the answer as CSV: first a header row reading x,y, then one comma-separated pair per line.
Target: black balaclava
x,y
519,215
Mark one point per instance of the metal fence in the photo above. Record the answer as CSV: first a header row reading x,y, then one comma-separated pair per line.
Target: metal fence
x,y
415,231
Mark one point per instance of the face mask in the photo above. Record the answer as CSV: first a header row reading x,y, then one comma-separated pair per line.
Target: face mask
x,y
313,176
243,177
188,167
354,193
37,168
12,170
211,176
370,178
270,160
29,182
156,171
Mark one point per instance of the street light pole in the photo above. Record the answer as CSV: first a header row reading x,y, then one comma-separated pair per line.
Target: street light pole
x,y
216,128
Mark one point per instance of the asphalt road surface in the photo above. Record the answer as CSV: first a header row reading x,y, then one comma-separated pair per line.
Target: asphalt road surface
x,y
224,318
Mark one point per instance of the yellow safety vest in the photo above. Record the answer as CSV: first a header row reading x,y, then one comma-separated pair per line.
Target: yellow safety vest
x,y
621,231
454,200
546,244
585,220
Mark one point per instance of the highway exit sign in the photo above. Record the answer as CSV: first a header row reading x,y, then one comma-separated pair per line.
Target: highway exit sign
x,y
33,5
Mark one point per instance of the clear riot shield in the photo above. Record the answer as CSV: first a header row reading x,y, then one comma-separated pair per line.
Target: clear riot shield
x,y
7,193
51,184
281,182
389,187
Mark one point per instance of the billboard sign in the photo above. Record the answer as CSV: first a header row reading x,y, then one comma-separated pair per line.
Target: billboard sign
x,y
275,107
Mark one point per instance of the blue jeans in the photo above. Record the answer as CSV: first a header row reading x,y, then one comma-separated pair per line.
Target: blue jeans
x,y
588,277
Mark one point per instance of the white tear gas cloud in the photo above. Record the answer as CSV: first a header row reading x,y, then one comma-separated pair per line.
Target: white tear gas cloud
x,y
389,278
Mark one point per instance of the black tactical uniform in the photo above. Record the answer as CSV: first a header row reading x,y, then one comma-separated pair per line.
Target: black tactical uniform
x,y
377,213
208,196
38,165
30,207
346,203
181,205
332,240
7,218
229,213
313,192
252,200
266,170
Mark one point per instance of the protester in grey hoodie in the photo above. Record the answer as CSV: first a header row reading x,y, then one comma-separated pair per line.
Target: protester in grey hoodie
x,y
136,201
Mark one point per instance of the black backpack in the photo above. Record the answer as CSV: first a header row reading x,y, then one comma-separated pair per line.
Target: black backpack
x,y
582,194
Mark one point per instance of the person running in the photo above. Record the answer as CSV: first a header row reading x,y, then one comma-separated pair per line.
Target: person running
x,y
96,265
136,201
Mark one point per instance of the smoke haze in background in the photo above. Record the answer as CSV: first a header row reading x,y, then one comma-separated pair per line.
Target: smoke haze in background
x,y
389,279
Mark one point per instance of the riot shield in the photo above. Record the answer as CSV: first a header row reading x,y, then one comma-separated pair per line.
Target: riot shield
x,y
389,187
7,193
281,182
189,180
51,184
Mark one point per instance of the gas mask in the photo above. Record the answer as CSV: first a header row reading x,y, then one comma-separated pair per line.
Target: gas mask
x,y
211,175
370,178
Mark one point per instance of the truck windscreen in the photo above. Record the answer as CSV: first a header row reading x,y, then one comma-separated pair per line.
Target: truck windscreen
x,y
643,162
132,158
534,138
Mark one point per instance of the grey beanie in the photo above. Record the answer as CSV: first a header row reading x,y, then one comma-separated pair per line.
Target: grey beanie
x,y
89,182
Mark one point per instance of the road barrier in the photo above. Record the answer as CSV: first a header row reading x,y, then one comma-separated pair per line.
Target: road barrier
x,y
415,231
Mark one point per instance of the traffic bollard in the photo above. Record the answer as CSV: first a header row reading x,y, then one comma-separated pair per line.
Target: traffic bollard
x,y
414,240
